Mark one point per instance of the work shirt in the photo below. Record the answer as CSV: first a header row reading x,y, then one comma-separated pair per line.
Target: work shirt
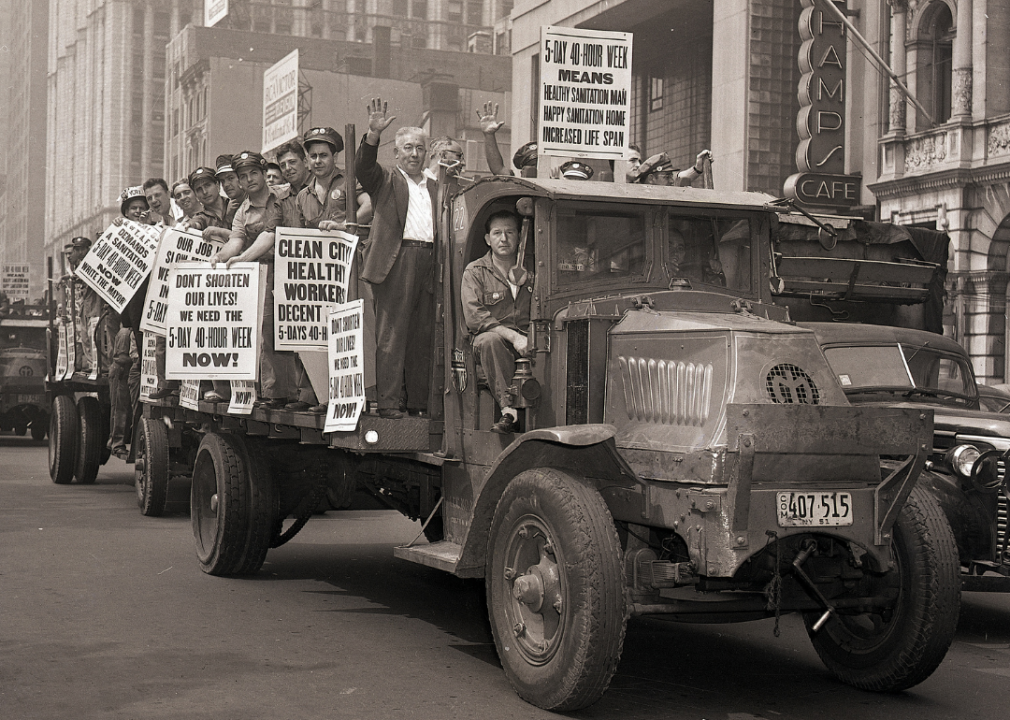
x,y
251,219
419,225
317,203
210,217
488,300
232,207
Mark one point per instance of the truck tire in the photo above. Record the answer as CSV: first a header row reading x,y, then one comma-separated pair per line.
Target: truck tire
x,y
150,469
555,589
90,440
21,429
62,440
893,653
39,427
232,505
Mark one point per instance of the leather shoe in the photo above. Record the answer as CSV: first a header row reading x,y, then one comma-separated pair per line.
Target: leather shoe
x,y
298,406
391,413
504,426
214,397
272,403
162,393
319,409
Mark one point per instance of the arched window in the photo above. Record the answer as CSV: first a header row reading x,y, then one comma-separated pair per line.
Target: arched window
x,y
939,61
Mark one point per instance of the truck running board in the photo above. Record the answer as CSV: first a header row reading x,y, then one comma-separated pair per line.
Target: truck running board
x,y
441,555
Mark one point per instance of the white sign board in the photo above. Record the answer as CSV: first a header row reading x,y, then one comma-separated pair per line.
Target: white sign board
x,y
62,359
213,322
585,93
148,367
280,102
214,11
176,246
311,272
347,367
189,394
119,261
243,395
14,282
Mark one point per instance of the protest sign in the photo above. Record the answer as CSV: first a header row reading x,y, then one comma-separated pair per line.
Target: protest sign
x,y
347,367
585,92
311,272
93,347
243,395
148,367
72,329
15,281
61,354
176,246
213,322
189,394
119,261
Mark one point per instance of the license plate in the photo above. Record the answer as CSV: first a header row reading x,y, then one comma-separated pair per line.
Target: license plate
x,y
31,399
814,509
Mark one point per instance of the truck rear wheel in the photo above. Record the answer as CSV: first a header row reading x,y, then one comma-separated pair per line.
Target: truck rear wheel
x,y
231,505
62,440
90,441
896,650
555,589
150,469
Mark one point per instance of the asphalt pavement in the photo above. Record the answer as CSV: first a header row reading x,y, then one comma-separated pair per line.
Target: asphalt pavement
x,y
105,613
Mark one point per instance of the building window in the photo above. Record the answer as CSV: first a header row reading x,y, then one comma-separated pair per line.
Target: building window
x,y
940,62
419,9
400,7
454,10
655,93
474,12
420,42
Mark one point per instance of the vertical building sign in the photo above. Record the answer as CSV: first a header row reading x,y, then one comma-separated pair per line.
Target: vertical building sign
x,y
214,11
585,92
280,102
820,156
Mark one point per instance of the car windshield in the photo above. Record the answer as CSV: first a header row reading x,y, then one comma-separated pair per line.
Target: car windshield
x,y
909,370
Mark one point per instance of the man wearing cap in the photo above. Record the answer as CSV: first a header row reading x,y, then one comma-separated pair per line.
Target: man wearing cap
x,y
183,195
659,170
575,170
232,189
275,178
252,238
207,189
445,152
399,262
81,301
525,158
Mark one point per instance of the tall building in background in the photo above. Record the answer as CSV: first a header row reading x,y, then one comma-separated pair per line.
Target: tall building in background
x,y
25,29
106,106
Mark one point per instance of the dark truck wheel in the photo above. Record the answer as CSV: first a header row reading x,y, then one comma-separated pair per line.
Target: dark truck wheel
x,y
895,651
231,505
555,589
62,440
150,469
90,442
21,429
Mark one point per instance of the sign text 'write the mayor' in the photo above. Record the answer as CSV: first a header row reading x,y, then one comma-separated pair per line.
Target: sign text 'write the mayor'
x,y
213,322
119,262
311,272
585,78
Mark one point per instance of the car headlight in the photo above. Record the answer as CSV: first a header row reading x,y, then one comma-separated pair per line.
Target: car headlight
x,y
962,459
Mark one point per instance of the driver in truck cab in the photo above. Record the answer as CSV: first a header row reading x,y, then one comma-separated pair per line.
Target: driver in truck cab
x,y
496,306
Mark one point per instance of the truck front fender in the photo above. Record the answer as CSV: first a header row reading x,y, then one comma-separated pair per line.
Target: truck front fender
x,y
584,450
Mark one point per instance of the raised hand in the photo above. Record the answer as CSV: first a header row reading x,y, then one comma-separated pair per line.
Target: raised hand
x,y
489,123
377,120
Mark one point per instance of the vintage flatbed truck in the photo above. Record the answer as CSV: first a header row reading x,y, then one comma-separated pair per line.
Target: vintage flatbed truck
x,y
685,450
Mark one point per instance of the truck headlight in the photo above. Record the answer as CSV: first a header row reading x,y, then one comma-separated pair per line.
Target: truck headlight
x,y
962,458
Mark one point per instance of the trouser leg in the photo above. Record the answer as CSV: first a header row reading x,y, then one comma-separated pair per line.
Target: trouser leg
x,y
498,359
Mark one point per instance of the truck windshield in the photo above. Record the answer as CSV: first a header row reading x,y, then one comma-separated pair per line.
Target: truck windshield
x,y
907,369
710,250
596,244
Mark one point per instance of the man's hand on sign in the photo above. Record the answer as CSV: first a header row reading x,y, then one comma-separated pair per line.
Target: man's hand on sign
x,y
489,122
377,120
331,225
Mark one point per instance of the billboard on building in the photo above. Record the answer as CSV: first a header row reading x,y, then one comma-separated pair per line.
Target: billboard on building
x,y
585,92
280,102
214,11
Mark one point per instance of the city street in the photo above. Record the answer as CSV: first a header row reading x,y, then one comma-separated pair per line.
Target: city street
x,y
105,614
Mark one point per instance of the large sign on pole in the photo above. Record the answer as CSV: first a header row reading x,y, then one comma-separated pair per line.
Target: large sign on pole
x,y
280,102
585,92
214,11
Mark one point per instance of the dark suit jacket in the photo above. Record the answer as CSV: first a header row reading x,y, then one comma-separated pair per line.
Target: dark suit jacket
x,y
390,197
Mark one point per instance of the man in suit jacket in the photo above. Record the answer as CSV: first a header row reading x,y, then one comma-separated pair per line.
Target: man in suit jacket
x,y
399,262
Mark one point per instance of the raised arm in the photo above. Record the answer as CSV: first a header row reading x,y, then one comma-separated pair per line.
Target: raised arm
x,y
489,125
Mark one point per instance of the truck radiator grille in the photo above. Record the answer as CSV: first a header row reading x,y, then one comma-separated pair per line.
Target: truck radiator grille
x,y
1001,528
667,392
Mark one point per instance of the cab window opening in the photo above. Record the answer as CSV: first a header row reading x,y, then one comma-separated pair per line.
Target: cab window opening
x,y
595,246
710,250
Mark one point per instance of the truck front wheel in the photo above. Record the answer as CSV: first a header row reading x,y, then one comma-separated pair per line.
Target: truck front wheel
x,y
555,589
91,440
150,469
893,651
62,439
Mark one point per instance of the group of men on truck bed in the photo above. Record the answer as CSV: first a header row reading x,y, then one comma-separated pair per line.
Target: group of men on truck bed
x,y
244,198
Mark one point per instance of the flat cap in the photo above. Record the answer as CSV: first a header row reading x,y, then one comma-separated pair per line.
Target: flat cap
x,y
202,173
248,158
324,134
575,170
526,155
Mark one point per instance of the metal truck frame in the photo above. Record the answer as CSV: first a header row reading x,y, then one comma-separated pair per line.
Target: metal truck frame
x,y
685,451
